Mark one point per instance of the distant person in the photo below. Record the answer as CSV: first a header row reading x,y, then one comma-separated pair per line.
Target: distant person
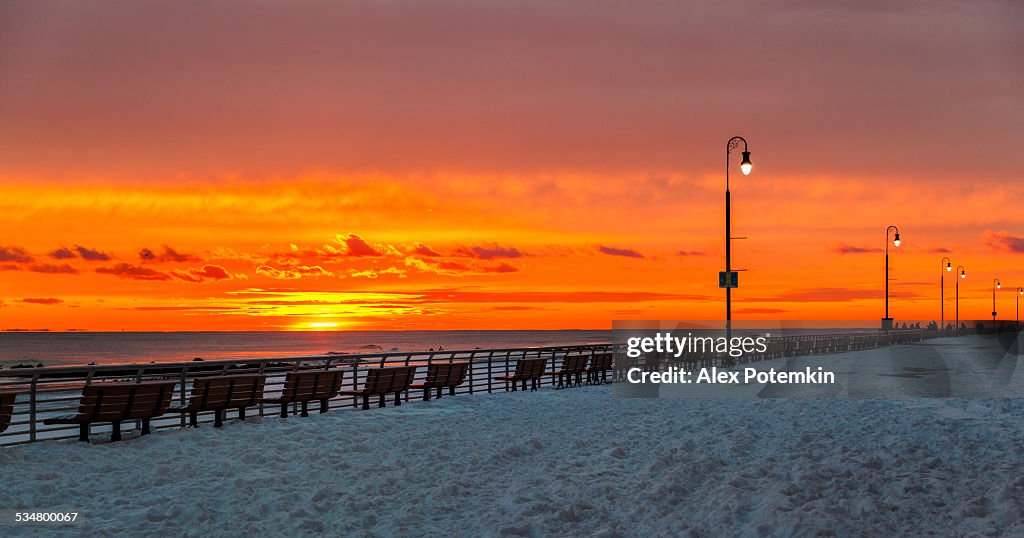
x,y
904,325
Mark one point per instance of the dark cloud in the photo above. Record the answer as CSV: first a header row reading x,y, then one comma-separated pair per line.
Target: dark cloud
x,y
452,266
1004,241
168,255
62,253
691,253
356,246
850,249
54,269
424,250
940,250
92,254
42,300
14,254
488,252
134,272
625,252
501,268
9,267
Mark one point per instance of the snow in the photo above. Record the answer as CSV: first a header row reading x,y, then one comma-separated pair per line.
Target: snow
x,y
555,463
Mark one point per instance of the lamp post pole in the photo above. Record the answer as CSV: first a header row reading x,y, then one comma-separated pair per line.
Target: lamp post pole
x,y
995,284
942,292
963,274
1020,291
745,167
887,321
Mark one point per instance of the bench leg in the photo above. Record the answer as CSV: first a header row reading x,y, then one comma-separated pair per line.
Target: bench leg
x,y
439,393
398,399
218,418
115,431
323,405
193,419
83,433
451,392
145,426
284,410
305,409
381,402
241,413
366,402
426,394
514,383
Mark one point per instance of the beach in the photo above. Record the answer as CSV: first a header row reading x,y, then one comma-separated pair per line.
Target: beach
x,y
557,463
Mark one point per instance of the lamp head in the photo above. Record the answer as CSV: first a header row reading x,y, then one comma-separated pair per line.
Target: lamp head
x,y
949,266
745,165
896,240
963,273
999,284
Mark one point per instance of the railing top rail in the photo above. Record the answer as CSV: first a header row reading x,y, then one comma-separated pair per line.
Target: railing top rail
x,y
346,357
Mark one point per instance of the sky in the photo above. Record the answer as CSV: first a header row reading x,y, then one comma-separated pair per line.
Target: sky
x,y
270,165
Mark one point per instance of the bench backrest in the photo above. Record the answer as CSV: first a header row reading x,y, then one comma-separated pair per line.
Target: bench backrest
x,y
302,386
601,361
6,409
388,380
225,392
110,402
531,368
573,364
447,374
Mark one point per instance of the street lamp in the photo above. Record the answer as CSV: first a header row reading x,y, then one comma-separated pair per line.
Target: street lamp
x,y
887,321
942,292
995,284
728,281
963,274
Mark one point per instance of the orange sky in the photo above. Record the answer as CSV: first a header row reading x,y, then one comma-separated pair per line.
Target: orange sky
x,y
472,165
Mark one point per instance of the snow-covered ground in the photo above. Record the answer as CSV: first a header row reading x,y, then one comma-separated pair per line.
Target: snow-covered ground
x,y
552,463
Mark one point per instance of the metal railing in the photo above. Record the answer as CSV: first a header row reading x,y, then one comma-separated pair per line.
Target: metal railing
x,y
52,391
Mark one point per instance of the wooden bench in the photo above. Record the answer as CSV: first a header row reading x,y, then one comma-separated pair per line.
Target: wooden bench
x,y
600,365
526,370
119,402
218,394
384,381
304,386
6,409
441,375
572,370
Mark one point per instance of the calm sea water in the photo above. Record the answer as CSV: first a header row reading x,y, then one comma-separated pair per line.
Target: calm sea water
x,y
51,349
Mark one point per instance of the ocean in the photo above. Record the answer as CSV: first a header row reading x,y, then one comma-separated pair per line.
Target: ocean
x,y
56,349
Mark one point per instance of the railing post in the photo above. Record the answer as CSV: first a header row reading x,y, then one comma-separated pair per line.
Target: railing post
x,y
32,409
472,361
181,393
490,372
